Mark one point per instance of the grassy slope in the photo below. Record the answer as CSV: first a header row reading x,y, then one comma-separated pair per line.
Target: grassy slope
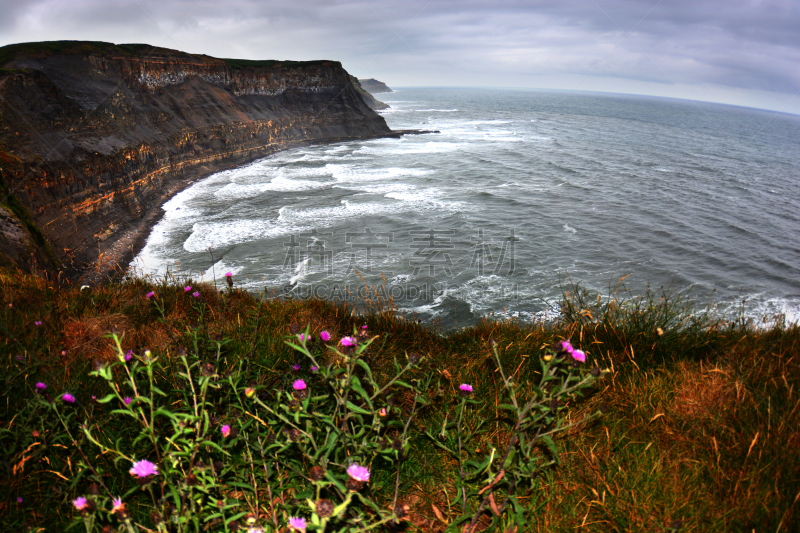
x,y
700,435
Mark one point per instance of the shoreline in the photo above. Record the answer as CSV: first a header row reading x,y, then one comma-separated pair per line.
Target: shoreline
x,y
115,257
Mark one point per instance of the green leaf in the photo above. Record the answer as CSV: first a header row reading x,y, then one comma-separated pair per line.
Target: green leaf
x,y
356,409
107,398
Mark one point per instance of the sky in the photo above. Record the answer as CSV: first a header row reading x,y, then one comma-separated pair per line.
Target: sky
x,y
740,52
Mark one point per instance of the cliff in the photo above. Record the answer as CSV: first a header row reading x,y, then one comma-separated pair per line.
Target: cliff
x,y
371,101
374,86
94,137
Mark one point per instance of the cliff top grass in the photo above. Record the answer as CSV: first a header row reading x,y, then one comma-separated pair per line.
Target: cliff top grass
x,y
53,48
700,430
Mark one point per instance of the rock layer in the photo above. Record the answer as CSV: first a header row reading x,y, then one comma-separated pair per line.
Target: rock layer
x,y
94,137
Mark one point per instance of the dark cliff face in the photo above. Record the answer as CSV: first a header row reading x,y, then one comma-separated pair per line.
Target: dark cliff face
x,y
94,137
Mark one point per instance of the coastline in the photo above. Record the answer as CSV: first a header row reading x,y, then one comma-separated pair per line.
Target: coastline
x,y
114,257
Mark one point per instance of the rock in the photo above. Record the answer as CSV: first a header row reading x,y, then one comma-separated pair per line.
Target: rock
x,y
95,137
374,86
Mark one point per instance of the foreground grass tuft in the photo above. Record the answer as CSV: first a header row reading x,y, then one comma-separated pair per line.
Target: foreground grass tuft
x,y
699,430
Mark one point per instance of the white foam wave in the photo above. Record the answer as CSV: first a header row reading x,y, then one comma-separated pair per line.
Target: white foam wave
x,y
213,235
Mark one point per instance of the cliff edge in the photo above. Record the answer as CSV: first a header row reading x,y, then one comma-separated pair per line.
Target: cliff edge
x,y
94,137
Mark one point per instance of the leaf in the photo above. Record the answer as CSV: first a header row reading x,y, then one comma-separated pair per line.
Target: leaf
x,y
106,399
356,409
438,514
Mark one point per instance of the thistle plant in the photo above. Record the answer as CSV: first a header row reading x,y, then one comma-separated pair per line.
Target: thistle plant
x,y
534,414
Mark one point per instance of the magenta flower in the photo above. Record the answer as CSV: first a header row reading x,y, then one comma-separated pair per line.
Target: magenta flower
x,y
127,400
196,294
299,384
325,336
150,295
297,524
38,323
465,387
348,341
79,503
41,386
295,367
314,368
129,356
566,346
304,337
143,468
579,355
118,505
19,499
187,289
228,274
364,327
67,397
226,430
359,473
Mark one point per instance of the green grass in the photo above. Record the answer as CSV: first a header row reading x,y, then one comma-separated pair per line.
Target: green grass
x,y
700,433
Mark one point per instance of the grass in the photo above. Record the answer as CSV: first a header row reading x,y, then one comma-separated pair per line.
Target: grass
x,y
700,430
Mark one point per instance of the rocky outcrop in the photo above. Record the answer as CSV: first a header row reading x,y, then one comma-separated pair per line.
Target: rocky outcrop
x,y
371,101
94,137
374,86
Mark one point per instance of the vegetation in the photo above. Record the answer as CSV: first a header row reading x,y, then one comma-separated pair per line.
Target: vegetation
x,y
177,406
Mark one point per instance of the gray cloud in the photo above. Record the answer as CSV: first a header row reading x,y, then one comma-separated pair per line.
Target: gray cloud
x,y
739,51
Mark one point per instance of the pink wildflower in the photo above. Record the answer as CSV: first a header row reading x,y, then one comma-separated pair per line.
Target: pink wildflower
x,y
79,503
143,468
348,341
226,430
67,397
299,384
579,355
297,524
359,473
325,336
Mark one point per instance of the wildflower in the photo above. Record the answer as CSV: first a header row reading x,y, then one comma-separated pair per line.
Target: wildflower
x,y
129,356
19,499
249,392
364,327
187,289
19,358
40,386
348,341
382,411
297,524
117,502
304,337
228,274
38,323
325,336
226,430
79,503
316,473
465,387
196,294
67,397
314,368
143,469
299,384
295,367
229,278
578,355
323,508
127,400
150,295
359,473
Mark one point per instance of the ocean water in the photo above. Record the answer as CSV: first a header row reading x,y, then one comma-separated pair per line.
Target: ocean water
x,y
520,194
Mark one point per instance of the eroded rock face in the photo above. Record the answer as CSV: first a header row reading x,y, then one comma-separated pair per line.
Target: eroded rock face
x,y
94,138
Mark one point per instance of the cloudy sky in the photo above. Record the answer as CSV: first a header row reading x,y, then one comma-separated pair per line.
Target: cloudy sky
x,y
743,52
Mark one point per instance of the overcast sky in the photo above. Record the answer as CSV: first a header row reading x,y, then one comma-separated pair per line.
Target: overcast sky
x,y
743,52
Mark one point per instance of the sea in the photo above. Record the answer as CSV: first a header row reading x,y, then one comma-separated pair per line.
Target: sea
x,y
516,197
